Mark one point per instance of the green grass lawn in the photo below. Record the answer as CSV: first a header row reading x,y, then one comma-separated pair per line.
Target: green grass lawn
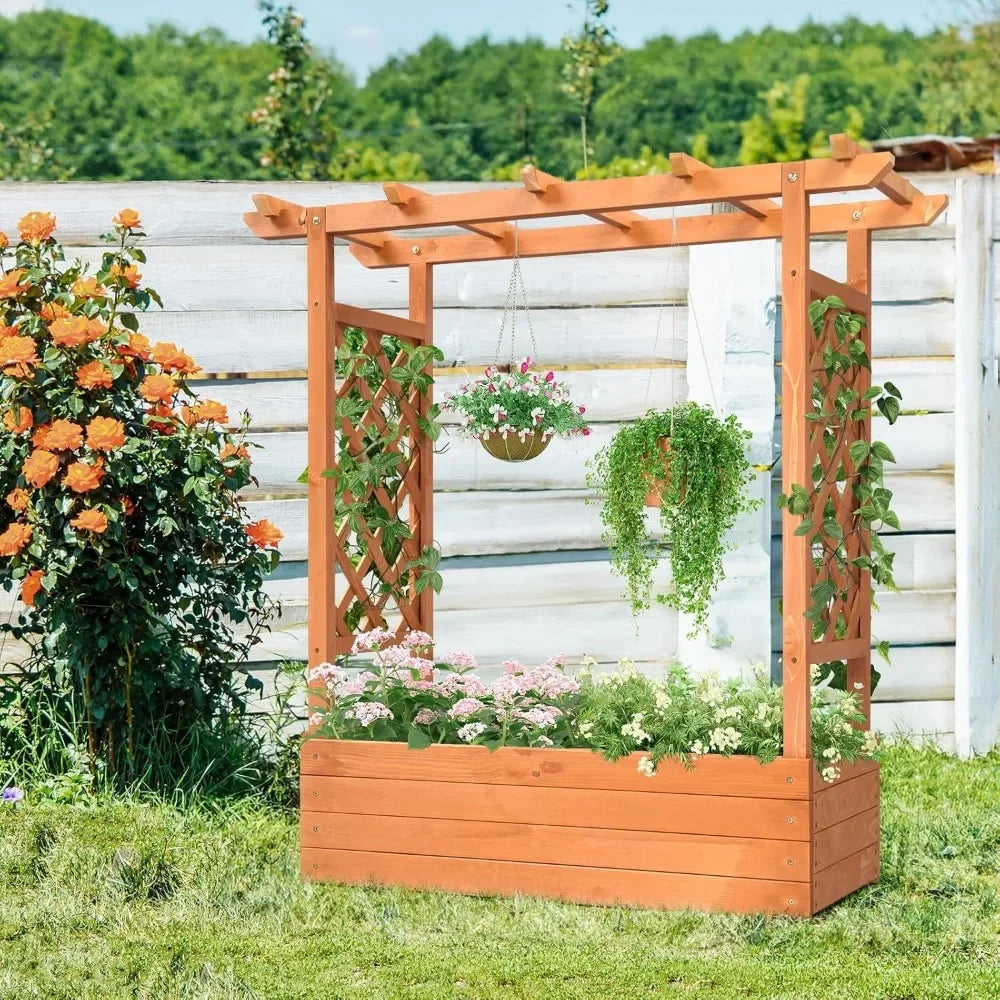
x,y
129,899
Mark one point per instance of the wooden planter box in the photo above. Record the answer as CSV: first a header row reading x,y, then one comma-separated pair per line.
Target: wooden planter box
x,y
729,834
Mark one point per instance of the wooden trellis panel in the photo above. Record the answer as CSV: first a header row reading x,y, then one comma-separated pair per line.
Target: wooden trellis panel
x,y
375,590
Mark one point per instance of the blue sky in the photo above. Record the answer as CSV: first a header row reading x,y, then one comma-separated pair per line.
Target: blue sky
x,y
363,34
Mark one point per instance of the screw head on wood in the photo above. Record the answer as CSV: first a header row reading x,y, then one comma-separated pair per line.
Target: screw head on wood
x,y
790,861
791,902
415,250
317,793
788,819
315,220
316,830
856,216
792,176
788,781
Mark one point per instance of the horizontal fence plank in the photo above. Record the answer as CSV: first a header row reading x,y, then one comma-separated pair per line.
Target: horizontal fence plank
x,y
608,394
581,885
918,442
785,778
916,718
662,812
639,850
272,277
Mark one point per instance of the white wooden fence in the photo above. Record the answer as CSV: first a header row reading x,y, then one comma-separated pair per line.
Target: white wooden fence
x,y
526,573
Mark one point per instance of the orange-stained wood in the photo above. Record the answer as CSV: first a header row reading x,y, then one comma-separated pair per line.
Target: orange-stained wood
x,y
844,800
739,857
821,286
848,772
650,233
845,877
321,347
845,838
859,277
897,189
825,650
708,815
842,147
796,338
368,319
575,884
275,219
538,182
784,778
604,196
685,165
421,307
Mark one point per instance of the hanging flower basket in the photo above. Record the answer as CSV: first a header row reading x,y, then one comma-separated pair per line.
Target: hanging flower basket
x,y
515,447
514,415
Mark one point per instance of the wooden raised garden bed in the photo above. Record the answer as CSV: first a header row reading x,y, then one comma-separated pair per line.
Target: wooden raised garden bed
x,y
729,834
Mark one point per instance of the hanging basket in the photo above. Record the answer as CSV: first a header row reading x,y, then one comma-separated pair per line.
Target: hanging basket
x,y
512,449
657,487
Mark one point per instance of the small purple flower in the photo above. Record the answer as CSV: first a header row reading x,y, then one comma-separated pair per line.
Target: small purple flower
x,y
12,794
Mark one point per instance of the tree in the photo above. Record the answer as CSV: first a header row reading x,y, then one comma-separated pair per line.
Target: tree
x,y
587,53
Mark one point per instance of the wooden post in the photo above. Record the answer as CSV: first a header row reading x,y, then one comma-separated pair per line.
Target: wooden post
x,y
859,669
321,349
422,311
796,331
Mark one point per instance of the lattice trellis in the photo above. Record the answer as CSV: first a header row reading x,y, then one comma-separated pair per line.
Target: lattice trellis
x,y
835,479
381,503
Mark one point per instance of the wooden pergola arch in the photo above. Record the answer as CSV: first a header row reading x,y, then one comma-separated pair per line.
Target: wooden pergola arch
x,y
377,232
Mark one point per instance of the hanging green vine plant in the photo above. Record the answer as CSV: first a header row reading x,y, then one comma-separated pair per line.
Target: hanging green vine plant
x,y
384,463
843,552
700,481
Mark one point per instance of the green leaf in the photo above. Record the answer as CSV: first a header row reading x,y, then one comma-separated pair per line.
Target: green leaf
x,y
858,452
883,451
882,648
889,408
417,739
892,390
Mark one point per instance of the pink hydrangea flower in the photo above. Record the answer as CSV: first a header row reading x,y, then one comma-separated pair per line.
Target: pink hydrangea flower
x,y
425,717
470,731
368,712
465,707
415,639
460,658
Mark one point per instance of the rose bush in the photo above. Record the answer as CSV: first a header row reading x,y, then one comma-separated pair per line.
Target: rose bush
x,y
120,527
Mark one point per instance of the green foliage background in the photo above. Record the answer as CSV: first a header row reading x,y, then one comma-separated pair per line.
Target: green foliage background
x,y
78,101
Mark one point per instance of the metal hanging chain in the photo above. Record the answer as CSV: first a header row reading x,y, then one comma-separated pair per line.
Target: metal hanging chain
x,y
515,284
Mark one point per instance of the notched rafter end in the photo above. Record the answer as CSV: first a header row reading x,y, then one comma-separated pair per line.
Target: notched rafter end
x,y
534,180
844,147
399,194
274,218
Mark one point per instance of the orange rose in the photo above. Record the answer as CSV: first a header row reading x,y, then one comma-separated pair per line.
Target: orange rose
x,y
18,420
264,534
232,451
30,587
14,539
105,434
53,310
131,275
87,288
70,331
205,412
91,520
82,478
127,506
4,241
95,329
8,331
171,359
17,356
127,218
36,226
158,388
39,467
162,419
93,376
18,499
137,347
64,435
11,285
38,438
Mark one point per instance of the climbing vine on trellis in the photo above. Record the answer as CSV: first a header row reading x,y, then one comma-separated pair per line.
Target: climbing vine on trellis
x,y
847,503
382,381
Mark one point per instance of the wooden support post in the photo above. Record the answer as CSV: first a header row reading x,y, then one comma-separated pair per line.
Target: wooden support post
x,y
321,349
795,394
422,511
859,271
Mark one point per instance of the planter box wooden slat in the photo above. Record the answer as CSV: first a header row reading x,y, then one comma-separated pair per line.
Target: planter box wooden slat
x,y
661,890
740,857
726,834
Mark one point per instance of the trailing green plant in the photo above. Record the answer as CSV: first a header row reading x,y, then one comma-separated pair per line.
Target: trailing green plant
x,y
382,403
842,556
702,478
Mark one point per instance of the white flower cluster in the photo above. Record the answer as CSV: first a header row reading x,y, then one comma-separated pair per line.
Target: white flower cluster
x,y
635,730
